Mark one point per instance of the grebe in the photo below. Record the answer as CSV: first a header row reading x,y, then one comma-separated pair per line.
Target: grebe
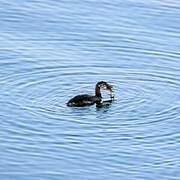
x,y
85,99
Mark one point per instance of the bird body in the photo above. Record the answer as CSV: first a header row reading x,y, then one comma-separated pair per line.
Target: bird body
x,y
86,100
83,100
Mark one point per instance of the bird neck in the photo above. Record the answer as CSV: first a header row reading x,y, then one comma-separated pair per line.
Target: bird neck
x,y
97,91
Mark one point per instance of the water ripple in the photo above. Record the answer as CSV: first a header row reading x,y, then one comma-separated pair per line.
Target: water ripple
x,y
51,51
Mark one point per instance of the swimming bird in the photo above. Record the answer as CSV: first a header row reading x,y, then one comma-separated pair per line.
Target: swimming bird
x,y
86,100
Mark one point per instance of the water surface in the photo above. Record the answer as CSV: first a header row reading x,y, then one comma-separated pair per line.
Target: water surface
x,y
53,50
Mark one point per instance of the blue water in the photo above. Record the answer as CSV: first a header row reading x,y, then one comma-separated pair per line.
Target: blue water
x,y
52,50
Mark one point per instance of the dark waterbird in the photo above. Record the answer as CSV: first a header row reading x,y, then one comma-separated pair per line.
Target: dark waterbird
x,y
86,100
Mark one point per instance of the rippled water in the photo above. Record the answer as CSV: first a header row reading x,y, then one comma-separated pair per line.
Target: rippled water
x,y
53,50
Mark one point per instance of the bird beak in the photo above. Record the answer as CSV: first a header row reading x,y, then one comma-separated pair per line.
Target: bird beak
x,y
109,87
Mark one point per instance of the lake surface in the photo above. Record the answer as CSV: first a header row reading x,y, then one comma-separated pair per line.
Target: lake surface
x,y
53,50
